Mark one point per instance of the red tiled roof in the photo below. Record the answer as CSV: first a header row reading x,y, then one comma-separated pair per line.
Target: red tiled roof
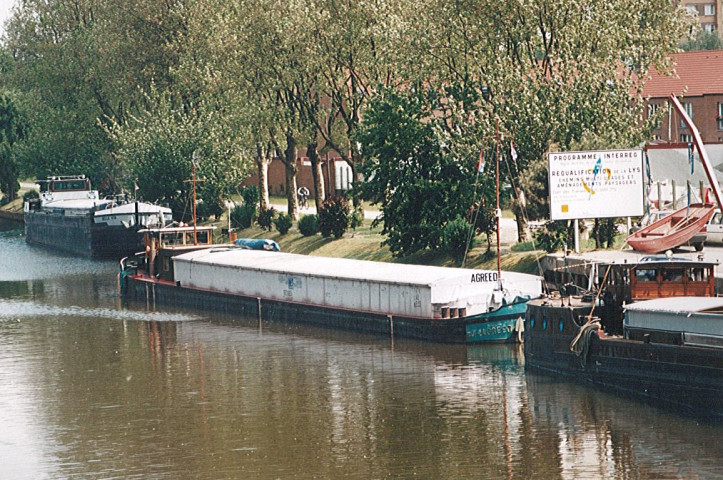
x,y
700,71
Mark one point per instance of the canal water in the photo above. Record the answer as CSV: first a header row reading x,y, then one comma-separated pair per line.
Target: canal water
x,y
94,388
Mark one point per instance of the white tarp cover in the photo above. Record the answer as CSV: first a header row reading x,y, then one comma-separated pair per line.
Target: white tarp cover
x,y
414,290
702,315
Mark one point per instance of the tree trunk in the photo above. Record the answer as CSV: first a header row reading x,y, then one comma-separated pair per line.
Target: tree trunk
x,y
290,163
358,179
263,159
596,229
318,175
523,229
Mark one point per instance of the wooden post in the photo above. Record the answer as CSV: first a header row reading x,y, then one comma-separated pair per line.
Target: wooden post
x,y
391,325
258,303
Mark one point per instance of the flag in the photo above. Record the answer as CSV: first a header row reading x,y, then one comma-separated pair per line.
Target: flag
x,y
481,162
513,152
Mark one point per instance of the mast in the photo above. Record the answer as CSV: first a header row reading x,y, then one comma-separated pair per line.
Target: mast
x,y
194,160
712,180
497,193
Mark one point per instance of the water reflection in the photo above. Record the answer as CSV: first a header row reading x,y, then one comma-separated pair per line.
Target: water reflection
x,y
94,388
608,436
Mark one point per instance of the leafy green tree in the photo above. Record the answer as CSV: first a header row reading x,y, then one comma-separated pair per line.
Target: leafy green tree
x,y
704,41
417,179
82,65
548,70
351,54
158,148
13,128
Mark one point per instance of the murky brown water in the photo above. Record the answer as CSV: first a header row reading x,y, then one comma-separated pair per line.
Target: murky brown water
x,y
90,388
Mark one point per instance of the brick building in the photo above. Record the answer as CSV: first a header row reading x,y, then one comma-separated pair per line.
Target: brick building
x,y
708,13
698,83
336,172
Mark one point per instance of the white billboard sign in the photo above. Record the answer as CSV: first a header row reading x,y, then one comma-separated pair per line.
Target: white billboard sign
x,y
599,184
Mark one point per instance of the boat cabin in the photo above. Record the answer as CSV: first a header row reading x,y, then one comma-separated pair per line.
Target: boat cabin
x,y
657,277
654,276
162,244
53,189
73,183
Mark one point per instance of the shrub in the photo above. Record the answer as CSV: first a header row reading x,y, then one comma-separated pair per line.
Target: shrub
x,y
552,237
266,218
283,223
30,194
357,219
243,216
523,247
455,237
334,216
250,195
309,225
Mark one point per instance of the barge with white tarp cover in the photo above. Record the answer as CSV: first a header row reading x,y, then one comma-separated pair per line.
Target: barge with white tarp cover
x,y
427,302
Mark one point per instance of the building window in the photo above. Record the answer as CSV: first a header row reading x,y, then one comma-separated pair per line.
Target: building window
x,y
709,27
689,110
686,138
709,9
720,116
652,111
656,137
692,9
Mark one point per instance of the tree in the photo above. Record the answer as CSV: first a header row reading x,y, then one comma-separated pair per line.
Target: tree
x,y
703,41
548,71
79,65
13,128
351,54
158,146
420,180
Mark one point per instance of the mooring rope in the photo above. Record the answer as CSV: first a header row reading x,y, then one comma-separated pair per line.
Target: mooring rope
x,y
580,345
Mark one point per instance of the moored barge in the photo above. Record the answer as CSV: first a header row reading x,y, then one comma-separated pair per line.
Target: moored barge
x,y
669,351
432,303
71,217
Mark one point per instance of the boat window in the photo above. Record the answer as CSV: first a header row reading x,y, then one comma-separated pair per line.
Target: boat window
x,y
698,274
645,275
68,185
672,274
202,237
166,264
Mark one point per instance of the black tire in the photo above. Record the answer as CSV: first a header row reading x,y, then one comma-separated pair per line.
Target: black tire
x,y
699,246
